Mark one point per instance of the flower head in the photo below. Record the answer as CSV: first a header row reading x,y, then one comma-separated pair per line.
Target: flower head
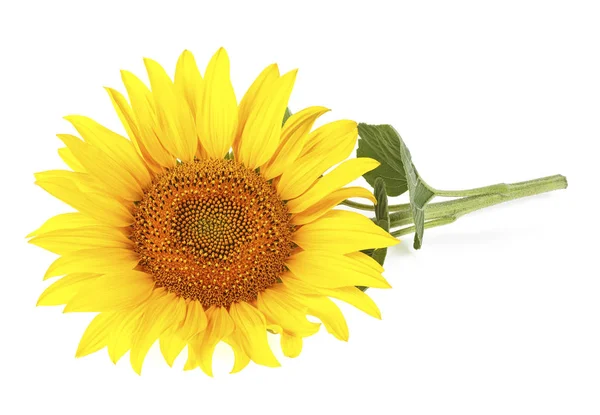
x,y
212,222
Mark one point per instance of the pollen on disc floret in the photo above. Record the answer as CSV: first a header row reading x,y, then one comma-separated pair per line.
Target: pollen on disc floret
x,y
213,231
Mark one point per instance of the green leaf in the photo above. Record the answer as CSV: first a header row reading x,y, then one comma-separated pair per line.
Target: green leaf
x,y
286,115
382,216
384,144
382,213
381,143
419,193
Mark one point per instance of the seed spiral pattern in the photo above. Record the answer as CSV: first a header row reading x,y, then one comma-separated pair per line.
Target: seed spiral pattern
x,y
213,231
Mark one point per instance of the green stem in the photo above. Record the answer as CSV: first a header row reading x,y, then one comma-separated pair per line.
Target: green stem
x,y
438,214
401,214
478,191
371,208
431,224
355,205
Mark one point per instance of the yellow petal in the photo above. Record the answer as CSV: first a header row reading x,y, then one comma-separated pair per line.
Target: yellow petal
x,y
63,241
320,144
128,120
220,325
112,292
121,336
175,119
283,310
64,221
118,180
257,91
161,313
329,202
274,328
117,147
96,260
355,297
295,286
293,136
188,81
195,320
171,346
67,156
291,345
251,330
84,182
329,313
193,348
241,358
65,288
335,142
171,342
96,335
342,232
142,105
262,130
330,270
365,260
343,174
217,117
95,204
350,295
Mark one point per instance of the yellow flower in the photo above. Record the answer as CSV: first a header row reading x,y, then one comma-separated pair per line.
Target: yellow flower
x,y
211,223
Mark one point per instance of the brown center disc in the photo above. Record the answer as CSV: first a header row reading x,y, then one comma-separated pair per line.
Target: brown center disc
x,y
212,231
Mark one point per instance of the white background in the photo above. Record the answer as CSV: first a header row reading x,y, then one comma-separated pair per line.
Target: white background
x,y
498,314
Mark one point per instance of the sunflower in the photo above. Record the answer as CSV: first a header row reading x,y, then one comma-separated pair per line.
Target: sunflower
x,y
212,222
